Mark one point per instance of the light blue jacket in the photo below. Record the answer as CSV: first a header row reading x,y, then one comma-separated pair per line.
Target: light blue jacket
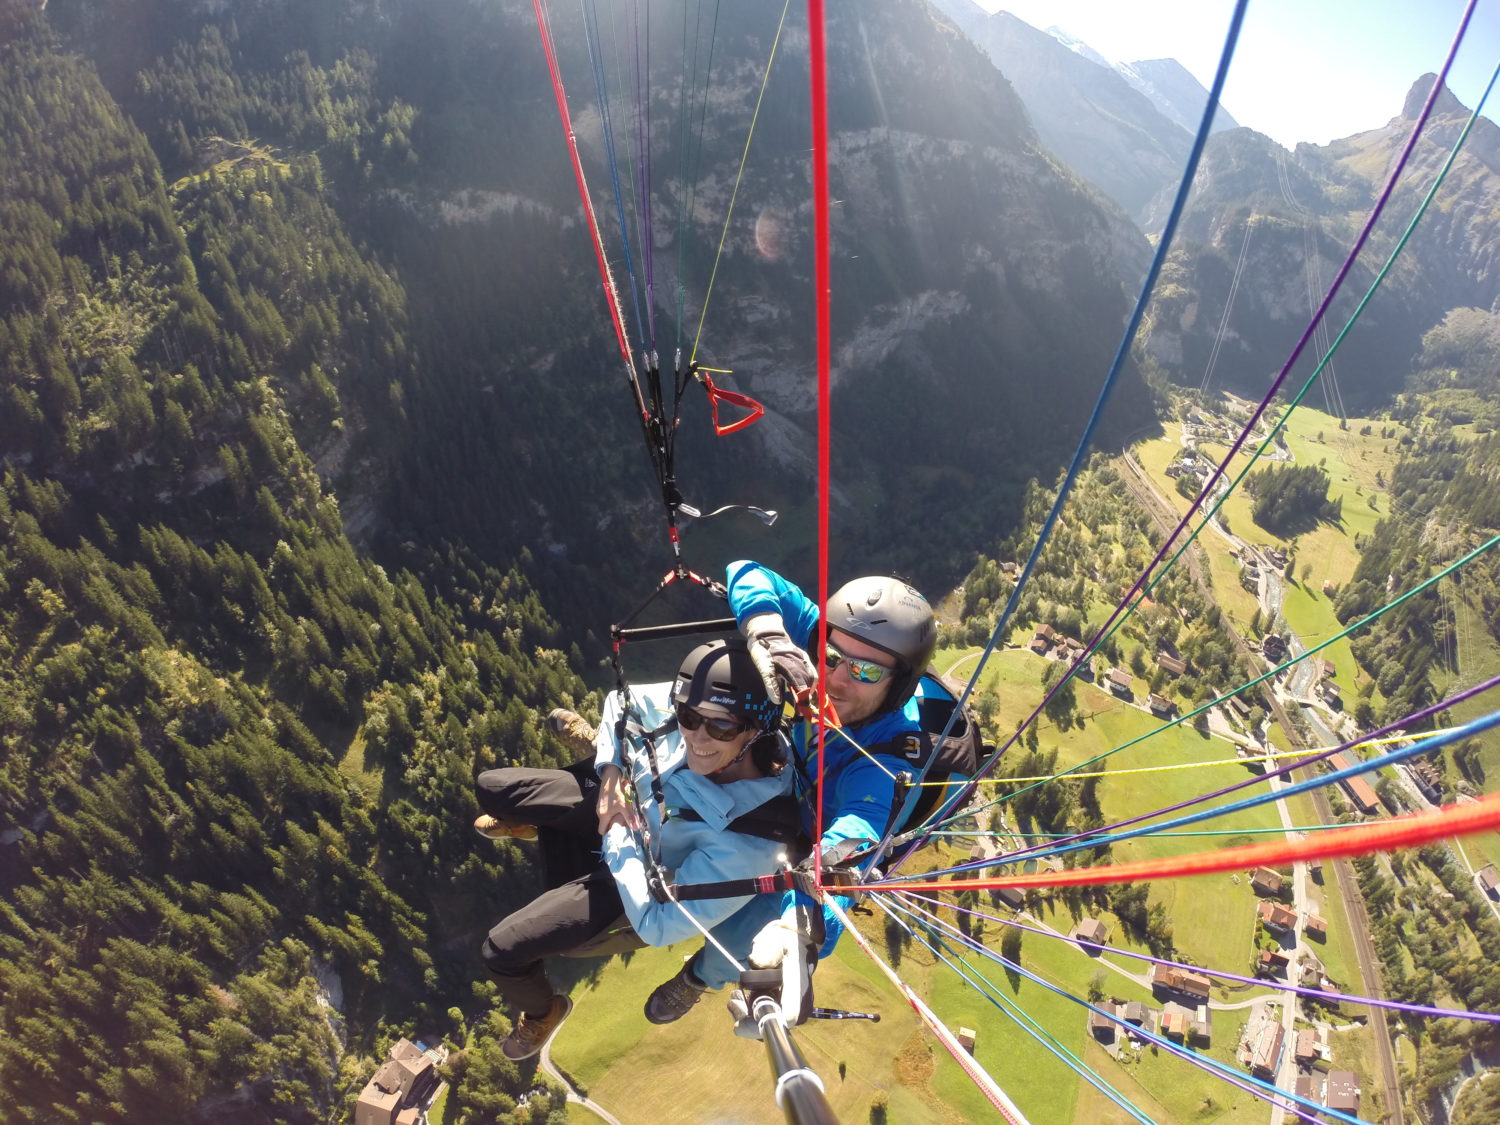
x,y
693,851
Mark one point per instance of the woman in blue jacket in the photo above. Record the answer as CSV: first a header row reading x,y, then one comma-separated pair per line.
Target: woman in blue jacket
x,y
718,758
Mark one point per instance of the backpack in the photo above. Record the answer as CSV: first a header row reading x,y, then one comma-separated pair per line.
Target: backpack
x,y
953,758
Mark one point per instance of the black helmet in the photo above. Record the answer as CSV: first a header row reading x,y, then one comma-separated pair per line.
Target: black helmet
x,y
719,678
893,617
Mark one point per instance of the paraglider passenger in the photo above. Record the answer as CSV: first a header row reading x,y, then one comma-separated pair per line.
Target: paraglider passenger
x,y
718,758
881,635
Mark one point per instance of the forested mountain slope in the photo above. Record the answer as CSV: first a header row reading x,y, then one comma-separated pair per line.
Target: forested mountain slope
x,y
191,644
306,402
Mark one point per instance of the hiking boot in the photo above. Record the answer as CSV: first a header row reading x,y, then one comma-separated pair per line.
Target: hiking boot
x,y
532,1033
674,999
497,828
572,730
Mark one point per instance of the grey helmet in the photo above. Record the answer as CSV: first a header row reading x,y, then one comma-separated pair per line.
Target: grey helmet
x,y
893,617
720,679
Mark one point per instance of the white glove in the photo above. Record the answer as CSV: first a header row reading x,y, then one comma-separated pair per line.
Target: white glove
x,y
776,942
777,659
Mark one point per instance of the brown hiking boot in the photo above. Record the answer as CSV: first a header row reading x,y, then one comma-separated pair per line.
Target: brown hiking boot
x,y
531,1034
497,828
572,730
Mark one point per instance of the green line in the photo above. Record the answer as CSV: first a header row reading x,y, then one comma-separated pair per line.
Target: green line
x,y
1360,624
1145,592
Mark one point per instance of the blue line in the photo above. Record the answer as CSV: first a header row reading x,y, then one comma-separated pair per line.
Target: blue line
x,y
1179,204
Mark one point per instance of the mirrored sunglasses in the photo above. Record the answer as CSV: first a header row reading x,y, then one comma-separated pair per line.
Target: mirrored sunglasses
x,y
865,671
720,730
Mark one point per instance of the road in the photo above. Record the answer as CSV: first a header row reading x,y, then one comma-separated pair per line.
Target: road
x,y
545,1064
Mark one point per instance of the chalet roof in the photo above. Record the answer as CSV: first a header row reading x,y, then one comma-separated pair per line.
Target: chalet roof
x,y
1307,1044
1091,929
1122,678
1266,880
1316,923
1268,1047
1160,702
1136,1013
1275,914
1045,630
1171,663
1040,643
1489,877
1342,1092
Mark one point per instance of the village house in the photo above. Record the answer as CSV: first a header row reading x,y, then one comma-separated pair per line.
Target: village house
x,y
1169,663
1309,1086
1136,1013
1040,645
1045,630
1101,1027
400,1087
1427,779
1185,1024
1121,683
1090,929
1161,706
1277,916
1342,1092
1267,1051
1315,926
1271,963
1241,707
1013,897
1330,693
1180,980
1489,880
1356,788
1265,881
1307,1047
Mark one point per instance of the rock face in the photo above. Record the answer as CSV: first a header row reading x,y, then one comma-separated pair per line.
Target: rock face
x,y
1177,94
1266,231
1098,121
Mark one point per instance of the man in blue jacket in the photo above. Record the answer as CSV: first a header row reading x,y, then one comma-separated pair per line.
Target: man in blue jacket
x,y
881,636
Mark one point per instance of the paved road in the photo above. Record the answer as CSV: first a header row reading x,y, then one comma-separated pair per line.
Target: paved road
x,y
545,1064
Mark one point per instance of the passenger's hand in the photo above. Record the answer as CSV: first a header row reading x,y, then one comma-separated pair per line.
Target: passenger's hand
x,y
614,805
778,660
775,942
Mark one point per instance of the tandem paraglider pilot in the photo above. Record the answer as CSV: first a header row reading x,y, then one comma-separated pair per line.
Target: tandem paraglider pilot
x,y
604,835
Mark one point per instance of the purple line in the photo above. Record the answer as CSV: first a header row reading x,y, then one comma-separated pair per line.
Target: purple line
x,y
1316,993
1055,845
1265,403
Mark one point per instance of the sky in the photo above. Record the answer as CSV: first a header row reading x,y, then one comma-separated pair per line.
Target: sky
x,y
1303,70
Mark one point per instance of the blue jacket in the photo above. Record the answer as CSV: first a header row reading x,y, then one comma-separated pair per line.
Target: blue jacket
x,y
857,792
694,851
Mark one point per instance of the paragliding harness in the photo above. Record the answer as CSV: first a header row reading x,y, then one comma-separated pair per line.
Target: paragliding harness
x,y
940,755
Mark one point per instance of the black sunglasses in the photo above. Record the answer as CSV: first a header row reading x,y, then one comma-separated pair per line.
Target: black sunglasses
x,y
720,730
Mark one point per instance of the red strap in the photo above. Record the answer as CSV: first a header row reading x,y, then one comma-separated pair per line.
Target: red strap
x,y
734,398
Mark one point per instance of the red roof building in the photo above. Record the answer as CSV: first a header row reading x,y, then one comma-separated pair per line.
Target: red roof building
x,y
1277,916
1266,881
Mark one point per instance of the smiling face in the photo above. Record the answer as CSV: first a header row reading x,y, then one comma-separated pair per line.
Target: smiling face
x,y
707,755
853,700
